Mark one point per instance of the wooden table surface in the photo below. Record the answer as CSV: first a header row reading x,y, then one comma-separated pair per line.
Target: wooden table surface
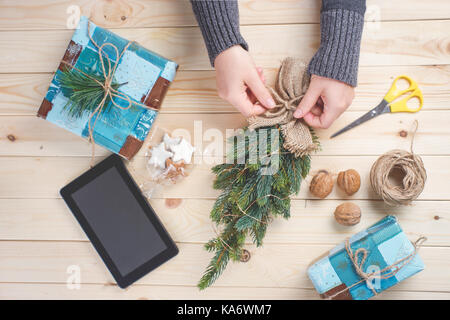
x,y
40,241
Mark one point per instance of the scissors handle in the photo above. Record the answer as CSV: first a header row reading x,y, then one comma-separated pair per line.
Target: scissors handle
x,y
394,93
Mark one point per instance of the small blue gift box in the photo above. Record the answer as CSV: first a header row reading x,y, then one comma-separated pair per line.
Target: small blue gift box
x,y
145,76
388,250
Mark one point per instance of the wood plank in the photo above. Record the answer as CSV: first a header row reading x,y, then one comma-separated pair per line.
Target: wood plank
x,y
9,291
50,14
20,174
273,265
32,136
188,221
195,91
13,291
436,188
410,43
30,207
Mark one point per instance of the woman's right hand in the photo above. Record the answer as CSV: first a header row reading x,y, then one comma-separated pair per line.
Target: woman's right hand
x,y
241,83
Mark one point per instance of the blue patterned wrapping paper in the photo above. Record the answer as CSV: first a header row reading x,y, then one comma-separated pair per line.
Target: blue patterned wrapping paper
x,y
148,77
385,242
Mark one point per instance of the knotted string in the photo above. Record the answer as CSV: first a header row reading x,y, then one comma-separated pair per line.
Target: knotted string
x,y
412,169
385,273
292,83
284,109
109,91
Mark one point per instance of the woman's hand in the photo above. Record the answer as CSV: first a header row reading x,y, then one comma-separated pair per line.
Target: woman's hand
x,y
241,83
325,100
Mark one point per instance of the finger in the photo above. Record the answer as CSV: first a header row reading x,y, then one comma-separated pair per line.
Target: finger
x,y
316,110
312,120
261,74
251,96
330,115
325,120
308,101
243,103
250,110
260,91
320,102
257,109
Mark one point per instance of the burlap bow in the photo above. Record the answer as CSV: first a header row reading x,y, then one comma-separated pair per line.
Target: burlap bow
x,y
290,87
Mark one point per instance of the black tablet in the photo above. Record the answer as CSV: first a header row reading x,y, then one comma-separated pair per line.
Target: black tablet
x,y
119,221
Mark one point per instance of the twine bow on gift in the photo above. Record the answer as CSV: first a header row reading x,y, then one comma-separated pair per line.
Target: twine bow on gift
x,y
109,92
385,273
291,86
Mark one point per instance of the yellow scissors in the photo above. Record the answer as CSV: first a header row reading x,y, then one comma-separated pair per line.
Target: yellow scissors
x,y
387,104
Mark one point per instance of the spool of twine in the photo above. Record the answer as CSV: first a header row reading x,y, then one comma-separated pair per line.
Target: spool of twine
x,y
405,165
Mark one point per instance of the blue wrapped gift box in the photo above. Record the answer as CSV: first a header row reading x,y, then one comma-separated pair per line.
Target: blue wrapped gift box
x,y
334,276
146,75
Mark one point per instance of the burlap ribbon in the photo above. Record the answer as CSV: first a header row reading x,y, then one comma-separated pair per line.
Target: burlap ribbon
x,y
291,85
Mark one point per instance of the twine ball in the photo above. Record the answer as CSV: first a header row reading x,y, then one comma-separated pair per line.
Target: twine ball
x,y
413,173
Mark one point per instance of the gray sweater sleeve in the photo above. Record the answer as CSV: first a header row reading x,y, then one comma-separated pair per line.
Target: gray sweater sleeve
x,y
341,24
219,23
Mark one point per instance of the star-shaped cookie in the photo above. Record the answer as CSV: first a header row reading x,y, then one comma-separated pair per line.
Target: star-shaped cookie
x,y
170,142
182,151
159,156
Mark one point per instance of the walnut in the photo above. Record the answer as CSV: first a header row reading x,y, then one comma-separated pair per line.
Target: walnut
x,y
349,181
321,184
347,214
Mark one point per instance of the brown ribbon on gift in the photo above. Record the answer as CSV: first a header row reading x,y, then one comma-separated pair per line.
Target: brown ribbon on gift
x,y
108,74
291,86
384,273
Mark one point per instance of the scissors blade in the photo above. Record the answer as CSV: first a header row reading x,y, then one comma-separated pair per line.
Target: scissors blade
x,y
383,107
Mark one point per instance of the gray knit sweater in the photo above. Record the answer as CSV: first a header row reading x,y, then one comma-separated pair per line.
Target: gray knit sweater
x,y
341,25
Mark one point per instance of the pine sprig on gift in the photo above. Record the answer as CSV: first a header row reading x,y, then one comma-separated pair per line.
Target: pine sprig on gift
x,y
250,197
85,93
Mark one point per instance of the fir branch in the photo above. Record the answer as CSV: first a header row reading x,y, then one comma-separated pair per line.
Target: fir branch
x,y
85,93
250,199
224,252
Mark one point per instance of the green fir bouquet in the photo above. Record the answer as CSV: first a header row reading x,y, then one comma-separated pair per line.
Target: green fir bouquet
x,y
266,165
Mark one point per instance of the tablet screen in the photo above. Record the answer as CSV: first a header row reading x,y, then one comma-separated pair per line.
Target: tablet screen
x,y
119,221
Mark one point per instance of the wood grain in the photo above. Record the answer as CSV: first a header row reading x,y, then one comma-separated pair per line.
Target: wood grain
x,y
39,237
145,292
51,14
410,43
195,91
21,261
33,136
19,175
311,222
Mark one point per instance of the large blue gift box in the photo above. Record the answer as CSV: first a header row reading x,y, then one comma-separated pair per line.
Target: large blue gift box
x,y
335,275
144,74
